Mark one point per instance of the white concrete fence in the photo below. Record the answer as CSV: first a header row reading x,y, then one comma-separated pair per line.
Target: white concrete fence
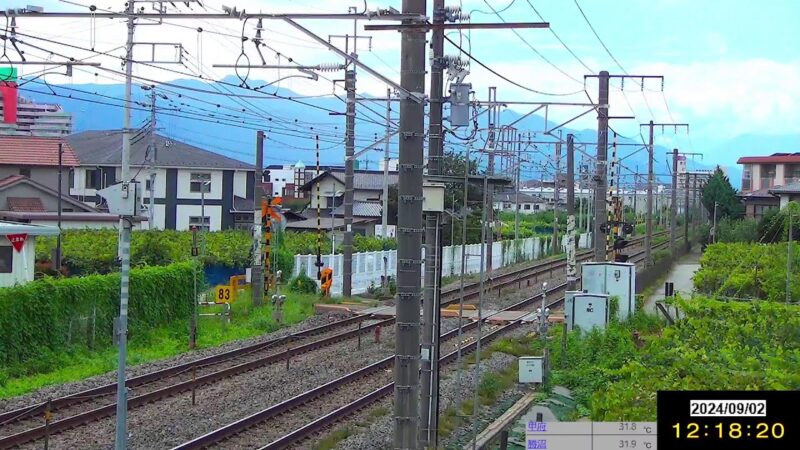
x,y
368,267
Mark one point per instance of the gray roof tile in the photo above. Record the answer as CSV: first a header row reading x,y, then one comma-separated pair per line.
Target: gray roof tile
x,y
105,148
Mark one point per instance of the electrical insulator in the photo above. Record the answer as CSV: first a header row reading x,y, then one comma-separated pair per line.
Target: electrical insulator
x,y
459,104
329,67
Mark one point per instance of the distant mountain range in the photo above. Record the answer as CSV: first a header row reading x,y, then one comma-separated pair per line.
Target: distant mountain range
x,y
210,116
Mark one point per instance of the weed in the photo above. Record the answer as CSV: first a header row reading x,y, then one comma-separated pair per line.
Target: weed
x,y
334,438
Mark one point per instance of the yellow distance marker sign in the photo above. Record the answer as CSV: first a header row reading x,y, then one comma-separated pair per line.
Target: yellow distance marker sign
x,y
224,294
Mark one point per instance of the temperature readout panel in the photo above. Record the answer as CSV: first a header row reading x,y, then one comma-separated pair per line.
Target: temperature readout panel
x,y
731,420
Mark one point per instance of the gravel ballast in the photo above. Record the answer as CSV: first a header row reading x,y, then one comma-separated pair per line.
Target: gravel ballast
x,y
379,434
60,390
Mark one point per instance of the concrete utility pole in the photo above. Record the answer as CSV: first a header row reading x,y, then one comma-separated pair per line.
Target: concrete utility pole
x,y
648,237
556,197
257,272
491,145
430,306
516,189
57,264
152,157
686,212
385,206
121,438
571,263
651,183
673,219
601,171
410,229
347,244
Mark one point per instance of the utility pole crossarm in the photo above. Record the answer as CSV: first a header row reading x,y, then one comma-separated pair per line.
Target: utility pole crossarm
x,y
457,26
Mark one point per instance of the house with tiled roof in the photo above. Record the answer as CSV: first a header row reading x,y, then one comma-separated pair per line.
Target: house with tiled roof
x,y
24,200
38,159
193,186
761,175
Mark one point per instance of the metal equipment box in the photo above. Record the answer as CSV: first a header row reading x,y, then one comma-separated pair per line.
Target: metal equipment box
x,y
612,278
531,369
586,311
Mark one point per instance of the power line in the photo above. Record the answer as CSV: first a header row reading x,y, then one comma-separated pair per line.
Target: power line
x,y
532,47
497,74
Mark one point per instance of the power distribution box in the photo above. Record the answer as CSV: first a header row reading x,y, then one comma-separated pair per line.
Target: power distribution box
x,y
459,104
531,369
123,199
433,197
586,311
614,279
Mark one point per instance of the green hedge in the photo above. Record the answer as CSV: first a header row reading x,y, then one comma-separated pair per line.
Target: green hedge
x,y
51,314
744,270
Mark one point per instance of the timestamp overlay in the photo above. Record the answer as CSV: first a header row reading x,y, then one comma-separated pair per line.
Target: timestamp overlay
x,y
729,420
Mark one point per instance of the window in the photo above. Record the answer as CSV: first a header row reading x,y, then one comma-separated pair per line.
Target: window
x,y
67,210
527,206
6,259
203,223
243,221
198,180
93,178
147,185
71,178
25,172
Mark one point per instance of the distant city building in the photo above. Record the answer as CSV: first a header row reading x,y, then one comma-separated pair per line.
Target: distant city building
x,y
37,119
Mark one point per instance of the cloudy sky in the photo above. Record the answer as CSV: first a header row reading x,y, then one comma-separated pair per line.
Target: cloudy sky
x,y
731,66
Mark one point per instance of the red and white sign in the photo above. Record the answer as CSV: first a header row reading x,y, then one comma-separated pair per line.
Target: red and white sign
x,y
17,240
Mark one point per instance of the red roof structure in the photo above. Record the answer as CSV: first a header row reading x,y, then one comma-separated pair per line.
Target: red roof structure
x,y
775,158
35,151
25,204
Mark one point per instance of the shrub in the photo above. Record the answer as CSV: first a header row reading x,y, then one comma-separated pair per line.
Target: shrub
x,y
303,283
52,315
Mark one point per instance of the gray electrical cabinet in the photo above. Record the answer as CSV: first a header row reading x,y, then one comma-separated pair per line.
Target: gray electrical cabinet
x,y
614,279
586,311
459,104
531,369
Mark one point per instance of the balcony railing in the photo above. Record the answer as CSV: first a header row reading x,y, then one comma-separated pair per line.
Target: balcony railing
x,y
767,182
746,184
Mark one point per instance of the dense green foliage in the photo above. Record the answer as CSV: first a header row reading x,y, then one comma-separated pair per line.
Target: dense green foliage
x,y
164,341
303,283
89,252
743,270
718,189
616,373
50,315
731,230
774,225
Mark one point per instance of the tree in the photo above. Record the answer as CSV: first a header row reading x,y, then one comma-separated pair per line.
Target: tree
x,y
718,189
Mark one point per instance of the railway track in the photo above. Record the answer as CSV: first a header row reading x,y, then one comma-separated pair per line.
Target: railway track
x,y
359,393
541,270
23,425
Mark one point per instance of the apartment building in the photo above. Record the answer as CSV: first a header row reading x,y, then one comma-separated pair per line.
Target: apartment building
x,y
36,119
761,174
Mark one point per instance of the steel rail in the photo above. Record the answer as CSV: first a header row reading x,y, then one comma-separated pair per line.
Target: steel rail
x,y
173,389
